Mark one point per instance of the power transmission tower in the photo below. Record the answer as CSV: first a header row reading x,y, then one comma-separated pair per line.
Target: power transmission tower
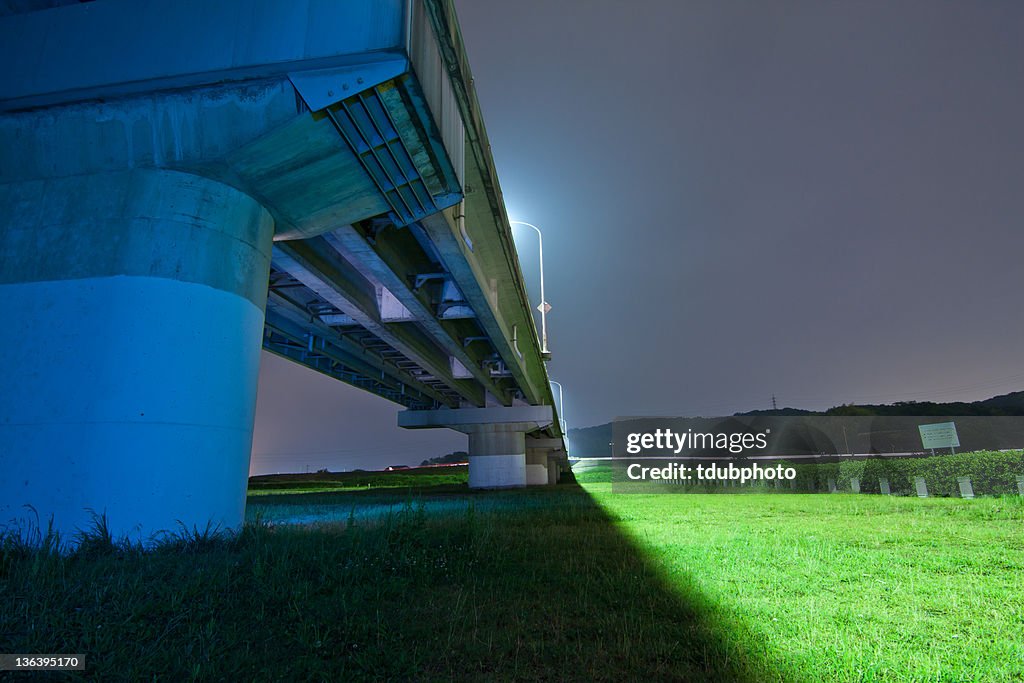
x,y
775,406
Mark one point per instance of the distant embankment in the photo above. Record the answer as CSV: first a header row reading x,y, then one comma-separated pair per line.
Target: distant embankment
x,y
413,477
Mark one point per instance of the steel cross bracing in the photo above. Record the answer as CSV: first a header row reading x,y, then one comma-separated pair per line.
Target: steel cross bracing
x,y
428,358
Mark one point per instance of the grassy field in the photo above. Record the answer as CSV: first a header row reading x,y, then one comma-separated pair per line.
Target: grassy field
x,y
561,583
415,479
849,588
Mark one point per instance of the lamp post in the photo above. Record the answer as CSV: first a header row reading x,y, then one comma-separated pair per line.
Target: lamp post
x,y
543,307
561,407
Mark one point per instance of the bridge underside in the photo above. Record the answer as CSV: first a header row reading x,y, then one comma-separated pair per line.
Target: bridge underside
x,y
318,185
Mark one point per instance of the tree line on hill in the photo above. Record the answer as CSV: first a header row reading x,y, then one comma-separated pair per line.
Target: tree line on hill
x,y
594,441
453,458
1011,404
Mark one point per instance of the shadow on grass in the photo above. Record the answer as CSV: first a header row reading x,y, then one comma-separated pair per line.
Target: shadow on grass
x,y
524,585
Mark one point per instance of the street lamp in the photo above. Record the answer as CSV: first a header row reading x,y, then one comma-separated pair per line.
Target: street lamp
x,y
544,306
561,407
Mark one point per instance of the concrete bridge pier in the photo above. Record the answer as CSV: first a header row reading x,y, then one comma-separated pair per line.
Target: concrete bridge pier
x,y
553,471
499,456
536,466
543,460
133,306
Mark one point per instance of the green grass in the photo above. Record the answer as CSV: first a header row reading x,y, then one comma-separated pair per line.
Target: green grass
x,y
848,587
319,482
560,583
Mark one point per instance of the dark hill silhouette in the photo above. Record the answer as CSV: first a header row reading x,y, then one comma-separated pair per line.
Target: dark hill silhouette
x,y
1011,404
593,441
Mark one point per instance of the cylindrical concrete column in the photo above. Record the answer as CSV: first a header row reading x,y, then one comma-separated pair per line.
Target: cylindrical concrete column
x,y
497,456
552,471
132,304
537,466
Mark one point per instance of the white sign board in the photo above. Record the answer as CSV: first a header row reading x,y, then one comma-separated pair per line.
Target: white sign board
x,y
941,435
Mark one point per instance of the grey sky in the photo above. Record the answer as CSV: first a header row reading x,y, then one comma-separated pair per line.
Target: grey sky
x,y
305,420
820,200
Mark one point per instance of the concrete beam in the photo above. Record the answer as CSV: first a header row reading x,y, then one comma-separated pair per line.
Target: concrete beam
x,y
470,278
550,444
372,263
79,52
468,420
322,269
283,315
250,135
485,225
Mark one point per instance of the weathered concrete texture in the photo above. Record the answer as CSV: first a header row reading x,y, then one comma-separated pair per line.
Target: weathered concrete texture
x,y
138,297
497,457
147,223
256,137
157,129
86,50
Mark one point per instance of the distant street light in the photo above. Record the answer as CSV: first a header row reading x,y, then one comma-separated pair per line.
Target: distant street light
x,y
544,306
561,407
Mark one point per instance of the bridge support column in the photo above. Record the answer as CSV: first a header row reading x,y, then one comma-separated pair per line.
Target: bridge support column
x,y
497,457
498,453
536,466
543,458
133,309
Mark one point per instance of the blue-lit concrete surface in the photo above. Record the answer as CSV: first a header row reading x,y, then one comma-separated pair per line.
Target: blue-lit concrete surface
x,y
181,183
132,355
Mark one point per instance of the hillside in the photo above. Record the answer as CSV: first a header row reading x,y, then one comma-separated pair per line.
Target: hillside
x,y
594,441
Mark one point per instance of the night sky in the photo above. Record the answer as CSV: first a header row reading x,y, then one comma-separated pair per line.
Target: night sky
x,y
817,200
